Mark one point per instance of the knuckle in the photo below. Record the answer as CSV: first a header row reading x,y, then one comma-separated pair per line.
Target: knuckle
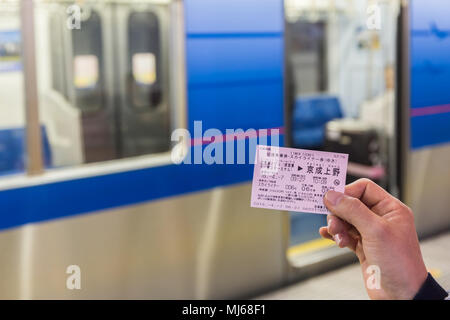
x,y
402,208
335,225
353,204
407,212
365,180
352,207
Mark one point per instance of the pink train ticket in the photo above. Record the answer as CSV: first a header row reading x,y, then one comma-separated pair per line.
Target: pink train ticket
x,y
296,179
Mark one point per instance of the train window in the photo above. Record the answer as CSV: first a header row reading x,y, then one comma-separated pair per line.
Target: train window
x,y
307,56
85,71
59,83
12,113
144,68
144,52
341,71
87,54
104,79
144,121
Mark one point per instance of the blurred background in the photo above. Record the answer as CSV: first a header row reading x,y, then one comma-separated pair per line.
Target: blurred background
x,y
91,91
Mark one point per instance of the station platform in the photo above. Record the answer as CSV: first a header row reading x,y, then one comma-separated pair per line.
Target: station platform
x,y
346,283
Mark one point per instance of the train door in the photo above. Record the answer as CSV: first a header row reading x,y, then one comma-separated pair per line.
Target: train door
x,y
84,56
341,66
143,105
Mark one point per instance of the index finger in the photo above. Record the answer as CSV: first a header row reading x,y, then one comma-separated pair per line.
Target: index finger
x,y
367,191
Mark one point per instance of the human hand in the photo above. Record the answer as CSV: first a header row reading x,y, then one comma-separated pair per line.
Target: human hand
x,y
380,230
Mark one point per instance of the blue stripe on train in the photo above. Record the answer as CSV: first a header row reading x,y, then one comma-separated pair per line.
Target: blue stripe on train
x,y
430,130
67,198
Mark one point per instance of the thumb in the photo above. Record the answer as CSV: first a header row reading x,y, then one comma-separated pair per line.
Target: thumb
x,y
351,210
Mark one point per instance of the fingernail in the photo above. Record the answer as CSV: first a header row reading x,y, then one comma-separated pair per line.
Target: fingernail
x,y
338,239
333,197
329,223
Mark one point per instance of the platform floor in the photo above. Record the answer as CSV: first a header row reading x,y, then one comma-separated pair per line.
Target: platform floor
x,y
347,284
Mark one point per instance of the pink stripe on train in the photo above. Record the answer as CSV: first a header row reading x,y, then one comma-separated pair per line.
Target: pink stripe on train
x,y
240,136
425,111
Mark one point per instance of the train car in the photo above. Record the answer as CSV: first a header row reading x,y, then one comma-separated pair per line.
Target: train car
x,y
94,95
